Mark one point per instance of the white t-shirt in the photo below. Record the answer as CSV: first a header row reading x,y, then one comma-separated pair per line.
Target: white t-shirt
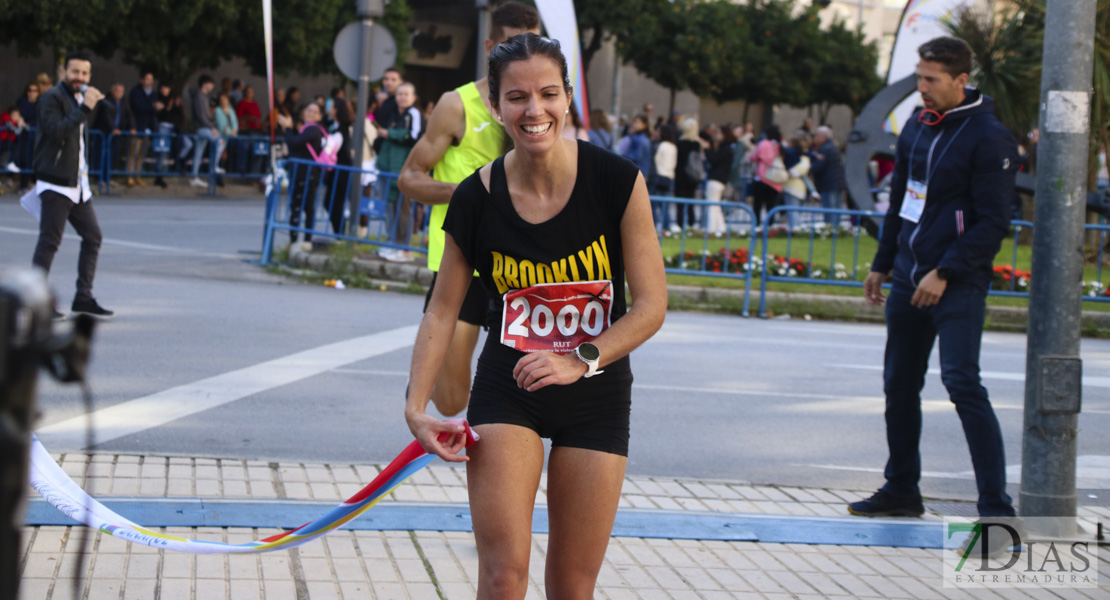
x,y
666,159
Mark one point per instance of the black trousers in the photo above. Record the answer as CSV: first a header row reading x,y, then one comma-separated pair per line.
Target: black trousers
x,y
765,197
56,210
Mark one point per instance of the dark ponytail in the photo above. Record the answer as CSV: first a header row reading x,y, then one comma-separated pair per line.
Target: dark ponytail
x,y
523,47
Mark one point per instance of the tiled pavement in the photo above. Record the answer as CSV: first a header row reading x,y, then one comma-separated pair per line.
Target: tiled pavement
x,y
429,565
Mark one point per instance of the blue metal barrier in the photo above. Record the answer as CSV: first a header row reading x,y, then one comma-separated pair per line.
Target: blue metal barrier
x,y
312,187
1100,294
1093,291
726,262
20,153
782,266
119,159
16,152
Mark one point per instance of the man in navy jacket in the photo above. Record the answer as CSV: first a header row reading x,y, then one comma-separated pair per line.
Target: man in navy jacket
x,y
950,208
144,109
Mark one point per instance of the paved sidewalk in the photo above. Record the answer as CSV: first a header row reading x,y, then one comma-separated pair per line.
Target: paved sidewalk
x,y
420,565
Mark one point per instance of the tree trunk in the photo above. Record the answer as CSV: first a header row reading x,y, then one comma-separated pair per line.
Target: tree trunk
x,y
589,50
671,110
767,116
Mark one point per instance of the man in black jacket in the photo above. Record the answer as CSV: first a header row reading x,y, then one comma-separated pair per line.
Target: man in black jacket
x,y
951,195
113,118
61,166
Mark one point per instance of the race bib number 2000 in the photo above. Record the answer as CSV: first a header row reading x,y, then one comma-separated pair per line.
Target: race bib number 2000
x,y
556,317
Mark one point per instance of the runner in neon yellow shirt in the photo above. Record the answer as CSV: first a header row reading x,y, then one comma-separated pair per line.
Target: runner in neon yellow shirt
x,y
461,136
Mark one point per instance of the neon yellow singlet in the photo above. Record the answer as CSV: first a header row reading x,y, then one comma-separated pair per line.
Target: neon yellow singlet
x,y
483,142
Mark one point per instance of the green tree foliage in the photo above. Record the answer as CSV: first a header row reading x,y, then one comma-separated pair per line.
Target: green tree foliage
x,y
600,21
179,38
847,73
688,45
780,60
762,52
1007,49
1008,53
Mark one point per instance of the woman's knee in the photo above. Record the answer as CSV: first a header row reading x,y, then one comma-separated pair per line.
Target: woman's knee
x,y
504,578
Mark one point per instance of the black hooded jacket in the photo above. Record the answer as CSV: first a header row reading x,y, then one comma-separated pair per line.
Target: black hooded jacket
x,y
57,144
969,161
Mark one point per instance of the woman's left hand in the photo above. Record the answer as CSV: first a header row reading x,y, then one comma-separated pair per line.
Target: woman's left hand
x,y
540,369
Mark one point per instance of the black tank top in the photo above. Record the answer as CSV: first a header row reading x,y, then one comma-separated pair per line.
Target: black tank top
x,y
580,243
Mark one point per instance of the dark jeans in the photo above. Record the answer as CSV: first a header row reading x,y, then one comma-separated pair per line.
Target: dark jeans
x,y
306,182
661,211
958,321
337,191
56,210
763,197
832,200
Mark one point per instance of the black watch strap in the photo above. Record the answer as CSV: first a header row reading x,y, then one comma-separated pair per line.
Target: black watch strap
x,y
944,273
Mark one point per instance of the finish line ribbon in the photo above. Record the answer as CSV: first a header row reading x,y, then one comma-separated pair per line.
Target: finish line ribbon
x,y
49,480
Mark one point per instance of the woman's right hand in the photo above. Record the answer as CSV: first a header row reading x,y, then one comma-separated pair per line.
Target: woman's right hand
x,y
443,439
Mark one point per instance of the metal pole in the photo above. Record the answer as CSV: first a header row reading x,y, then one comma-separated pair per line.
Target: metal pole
x,y
617,93
1053,368
368,10
483,35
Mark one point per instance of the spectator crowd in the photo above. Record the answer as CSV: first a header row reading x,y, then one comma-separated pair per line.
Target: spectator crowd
x,y
156,129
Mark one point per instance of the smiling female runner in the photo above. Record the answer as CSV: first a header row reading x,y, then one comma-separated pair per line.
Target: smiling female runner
x,y
553,228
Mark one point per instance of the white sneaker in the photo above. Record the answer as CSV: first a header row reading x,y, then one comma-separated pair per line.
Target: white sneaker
x,y
220,170
397,256
12,168
197,182
387,254
306,246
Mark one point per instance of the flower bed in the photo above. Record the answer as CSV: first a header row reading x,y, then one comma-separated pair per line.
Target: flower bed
x,y
1006,275
738,261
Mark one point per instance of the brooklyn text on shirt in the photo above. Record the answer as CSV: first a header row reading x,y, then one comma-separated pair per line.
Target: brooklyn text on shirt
x,y
588,264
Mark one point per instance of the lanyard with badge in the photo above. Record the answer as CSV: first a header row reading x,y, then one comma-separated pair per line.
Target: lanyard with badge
x,y
913,203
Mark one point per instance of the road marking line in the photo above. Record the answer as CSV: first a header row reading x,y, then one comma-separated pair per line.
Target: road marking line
x,y
1088,381
136,245
737,392
163,407
1092,471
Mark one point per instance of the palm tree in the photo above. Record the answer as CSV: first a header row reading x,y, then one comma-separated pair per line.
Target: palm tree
x,y
1007,49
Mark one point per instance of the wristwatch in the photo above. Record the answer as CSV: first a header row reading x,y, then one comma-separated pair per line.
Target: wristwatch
x,y
944,273
589,354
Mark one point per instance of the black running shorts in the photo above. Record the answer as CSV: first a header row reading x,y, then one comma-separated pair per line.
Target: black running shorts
x,y
590,413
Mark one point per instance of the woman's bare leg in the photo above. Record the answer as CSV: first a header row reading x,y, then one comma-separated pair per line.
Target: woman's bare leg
x,y
583,489
502,477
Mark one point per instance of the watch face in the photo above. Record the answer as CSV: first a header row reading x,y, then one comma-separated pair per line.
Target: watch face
x,y
589,351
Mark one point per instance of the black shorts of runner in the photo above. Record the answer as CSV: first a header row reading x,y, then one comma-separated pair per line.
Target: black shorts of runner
x,y
475,306
590,413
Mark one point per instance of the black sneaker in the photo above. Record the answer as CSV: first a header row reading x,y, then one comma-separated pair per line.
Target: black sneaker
x,y
885,504
90,307
58,316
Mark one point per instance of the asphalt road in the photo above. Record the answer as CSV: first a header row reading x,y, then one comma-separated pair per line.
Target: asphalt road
x,y
213,356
